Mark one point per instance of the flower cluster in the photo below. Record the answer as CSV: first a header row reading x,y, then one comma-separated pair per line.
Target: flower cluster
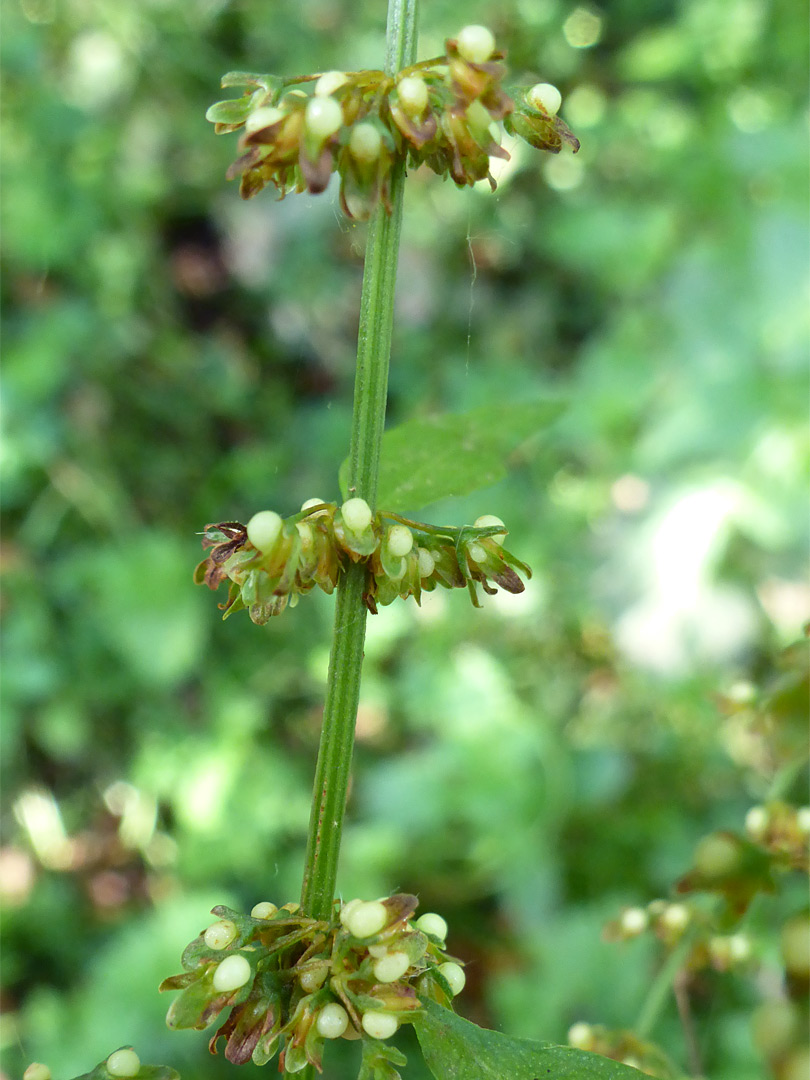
x,y
291,983
271,560
443,113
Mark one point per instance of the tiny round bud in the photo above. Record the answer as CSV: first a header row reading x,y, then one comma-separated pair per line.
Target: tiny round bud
x,y
313,502
675,917
739,948
323,117
379,1025
427,563
332,1021
36,1071
347,909
454,975
399,540
803,819
123,1062
356,514
367,919
231,973
412,94
263,910
716,856
263,530
433,924
756,822
545,98
634,921
313,979
220,934
476,553
632,1061
391,967
329,82
487,520
365,142
475,43
292,907
580,1035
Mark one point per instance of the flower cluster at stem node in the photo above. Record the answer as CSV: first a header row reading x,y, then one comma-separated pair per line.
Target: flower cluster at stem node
x,y
272,560
291,983
443,113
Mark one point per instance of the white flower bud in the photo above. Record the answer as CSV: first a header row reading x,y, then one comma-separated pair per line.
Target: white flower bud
x,y
739,948
329,82
427,564
367,919
323,117
292,907
399,540
379,1025
262,118
391,967
803,819
412,94
365,142
675,917
263,910
231,973
123,1062
475,43
486,521
454,975
36,1071
545,97
433,924
313,979
756,822
580,1035
332,1021
263,530
356,514
634,921
220,934
347,909
313,502
476,552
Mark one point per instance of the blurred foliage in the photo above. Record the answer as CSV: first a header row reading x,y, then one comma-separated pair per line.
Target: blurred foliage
x,y
173,357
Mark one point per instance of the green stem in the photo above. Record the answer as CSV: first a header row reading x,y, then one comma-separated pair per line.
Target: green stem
x,y
658,994
370,393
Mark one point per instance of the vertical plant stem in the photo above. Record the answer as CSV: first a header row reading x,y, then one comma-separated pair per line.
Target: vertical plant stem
x,y
370,392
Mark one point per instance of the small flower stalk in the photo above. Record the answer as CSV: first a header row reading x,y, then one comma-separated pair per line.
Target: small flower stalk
x,y
271,561
443,113
291,984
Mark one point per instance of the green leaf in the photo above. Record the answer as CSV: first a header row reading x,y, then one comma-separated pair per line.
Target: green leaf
x,y
455,1049
232,111
431,458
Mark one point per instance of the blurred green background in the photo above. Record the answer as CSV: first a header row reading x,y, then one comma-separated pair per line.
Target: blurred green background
x,y
174,357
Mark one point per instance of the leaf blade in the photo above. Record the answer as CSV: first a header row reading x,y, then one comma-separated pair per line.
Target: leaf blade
x,y
455,1049
432,458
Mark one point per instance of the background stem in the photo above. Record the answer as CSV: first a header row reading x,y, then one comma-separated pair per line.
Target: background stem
x,y
370,393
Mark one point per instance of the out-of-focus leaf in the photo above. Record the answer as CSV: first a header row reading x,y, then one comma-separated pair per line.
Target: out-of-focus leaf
x,y
435,457
455,1049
